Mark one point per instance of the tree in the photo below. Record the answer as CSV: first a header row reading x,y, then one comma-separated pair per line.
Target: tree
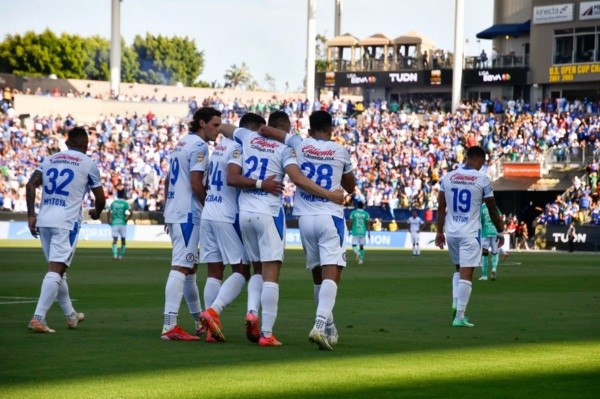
x,y
237,76
164,60
270,83
32,54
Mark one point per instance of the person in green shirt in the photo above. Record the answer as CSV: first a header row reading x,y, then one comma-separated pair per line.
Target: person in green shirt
x,y
489,242
119,214
359,229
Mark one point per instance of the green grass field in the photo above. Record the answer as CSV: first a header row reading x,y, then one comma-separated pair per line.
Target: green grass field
x,y
537,332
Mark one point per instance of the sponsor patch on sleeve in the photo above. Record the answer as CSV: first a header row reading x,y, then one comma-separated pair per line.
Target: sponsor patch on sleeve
x,y
236,154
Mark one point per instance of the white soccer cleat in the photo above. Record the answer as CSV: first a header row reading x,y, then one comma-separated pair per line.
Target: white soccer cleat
x,y
319,338
332,335
74,319
38,326
483,278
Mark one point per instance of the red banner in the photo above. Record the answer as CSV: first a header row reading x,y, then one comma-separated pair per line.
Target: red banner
x,y
520,169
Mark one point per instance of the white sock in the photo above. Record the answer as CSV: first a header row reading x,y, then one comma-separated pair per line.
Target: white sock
x,y
230,290
414,249
173,295
418,250
255,286
455,278
327,297
192,295
48,293
269,301
211,290
316,290
63,298
464,292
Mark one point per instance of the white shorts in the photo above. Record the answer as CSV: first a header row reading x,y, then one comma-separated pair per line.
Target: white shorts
x,y
465,251
323,240
490,243
184,237
59,244
119,231
414,237
263,236
221,242
359,240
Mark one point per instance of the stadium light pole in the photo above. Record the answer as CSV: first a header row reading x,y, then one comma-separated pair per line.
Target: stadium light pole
x,y
310,52
337,26
115,47
459,28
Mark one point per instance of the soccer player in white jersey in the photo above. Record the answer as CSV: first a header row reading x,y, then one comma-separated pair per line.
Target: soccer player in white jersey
x,y
220,234
462,192
185,194
321,222
262,218
414,226
66,177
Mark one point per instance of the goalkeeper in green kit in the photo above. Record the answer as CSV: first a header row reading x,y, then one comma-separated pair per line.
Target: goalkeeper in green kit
x,y
360,228
489,243
118,215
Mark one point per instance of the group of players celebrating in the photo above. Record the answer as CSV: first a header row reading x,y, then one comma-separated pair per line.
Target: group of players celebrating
x,y
225,208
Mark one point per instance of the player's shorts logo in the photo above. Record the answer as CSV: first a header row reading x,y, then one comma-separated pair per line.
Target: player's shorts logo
x,y
344,256
190,257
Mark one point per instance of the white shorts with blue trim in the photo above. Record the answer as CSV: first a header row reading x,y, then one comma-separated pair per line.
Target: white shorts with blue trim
x,y
263,236
221,242
184,237
59,244
465,251
323,240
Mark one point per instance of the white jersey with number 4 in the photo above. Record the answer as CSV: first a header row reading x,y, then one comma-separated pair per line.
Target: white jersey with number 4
x,y
189,155
262,158
221,203
66,177
324,162
465,190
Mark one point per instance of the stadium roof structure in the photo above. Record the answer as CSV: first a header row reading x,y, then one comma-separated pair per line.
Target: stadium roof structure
x,y
414,37
345,40
505,30
378,39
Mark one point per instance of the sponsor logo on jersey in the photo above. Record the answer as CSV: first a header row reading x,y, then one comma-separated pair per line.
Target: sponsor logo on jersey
x,y
463,179
310,151
263,145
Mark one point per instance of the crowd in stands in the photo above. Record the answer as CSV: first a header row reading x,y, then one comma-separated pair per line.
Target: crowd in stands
x,y
400,149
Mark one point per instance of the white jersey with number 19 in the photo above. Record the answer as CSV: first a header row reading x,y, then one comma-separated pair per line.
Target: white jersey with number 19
x,y
465,190
324,162
262,158
189,155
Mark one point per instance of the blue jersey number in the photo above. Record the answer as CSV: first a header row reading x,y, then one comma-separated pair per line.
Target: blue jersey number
x,y
174,170
324,173
461,200
253,162
58,181
216,176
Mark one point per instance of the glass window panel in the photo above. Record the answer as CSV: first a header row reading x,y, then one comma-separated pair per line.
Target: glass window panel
x,y
563,50
585,48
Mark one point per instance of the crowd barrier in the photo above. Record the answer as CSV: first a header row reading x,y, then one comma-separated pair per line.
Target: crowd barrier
x,y
156,233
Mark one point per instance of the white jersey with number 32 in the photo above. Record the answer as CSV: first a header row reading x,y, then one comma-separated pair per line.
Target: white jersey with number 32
x,y
465,190
66,177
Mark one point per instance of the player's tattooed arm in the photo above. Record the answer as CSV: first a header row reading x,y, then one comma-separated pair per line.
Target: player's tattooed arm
x,y
34,182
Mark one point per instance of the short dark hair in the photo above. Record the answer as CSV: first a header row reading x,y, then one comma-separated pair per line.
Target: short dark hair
x,y
476,152
203,114
278,119
320,120
360,204
250,119
77,137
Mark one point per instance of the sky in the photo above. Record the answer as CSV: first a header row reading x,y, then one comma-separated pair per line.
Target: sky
x,y
268,35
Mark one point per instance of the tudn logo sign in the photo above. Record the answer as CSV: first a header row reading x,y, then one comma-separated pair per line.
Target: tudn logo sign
x,y
486,76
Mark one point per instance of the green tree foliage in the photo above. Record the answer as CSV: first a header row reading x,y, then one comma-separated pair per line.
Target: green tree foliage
x,y
164,60
238,76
